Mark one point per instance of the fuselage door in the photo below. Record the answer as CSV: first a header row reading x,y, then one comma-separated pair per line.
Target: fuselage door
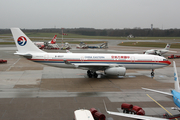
x,y
132,59
46,57
156,59
82,58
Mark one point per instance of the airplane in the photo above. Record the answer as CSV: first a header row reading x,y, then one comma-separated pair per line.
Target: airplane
x,y
159,51
174,93
141,117
41,45
111,64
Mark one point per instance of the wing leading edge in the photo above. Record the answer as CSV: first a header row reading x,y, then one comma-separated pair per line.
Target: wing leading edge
x,y
166,93
96,66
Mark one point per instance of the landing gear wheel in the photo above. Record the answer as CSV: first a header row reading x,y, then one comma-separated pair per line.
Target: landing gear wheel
x,y
95,75
152,73
89,73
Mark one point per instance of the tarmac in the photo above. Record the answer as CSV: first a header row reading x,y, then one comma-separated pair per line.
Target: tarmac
x,y
32,91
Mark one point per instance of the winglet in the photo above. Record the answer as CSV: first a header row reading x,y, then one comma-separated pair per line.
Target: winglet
x,y
176,83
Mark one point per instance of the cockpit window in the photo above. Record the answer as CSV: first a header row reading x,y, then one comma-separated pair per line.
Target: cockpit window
x,y
165,60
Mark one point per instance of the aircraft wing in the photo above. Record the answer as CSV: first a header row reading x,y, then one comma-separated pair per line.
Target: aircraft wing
x,y
96,65
166,93
133,116
93,66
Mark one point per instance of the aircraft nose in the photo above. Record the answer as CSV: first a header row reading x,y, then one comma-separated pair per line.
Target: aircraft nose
x,y
168,62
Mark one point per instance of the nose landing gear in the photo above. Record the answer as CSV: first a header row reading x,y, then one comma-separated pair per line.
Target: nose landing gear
x,y
152,73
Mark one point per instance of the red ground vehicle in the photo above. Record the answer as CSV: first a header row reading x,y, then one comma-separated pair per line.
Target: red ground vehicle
x,y
138,110
97,115
126,107
129,108
173,56
3,61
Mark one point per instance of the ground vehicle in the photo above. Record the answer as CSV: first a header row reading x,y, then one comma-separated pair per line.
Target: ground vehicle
x,y
3,61
129,108
173,56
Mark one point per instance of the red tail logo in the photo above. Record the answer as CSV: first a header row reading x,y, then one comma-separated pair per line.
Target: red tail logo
x,y
53,41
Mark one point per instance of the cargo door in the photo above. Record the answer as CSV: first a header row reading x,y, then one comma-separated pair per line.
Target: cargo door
x,y
82,59
154,62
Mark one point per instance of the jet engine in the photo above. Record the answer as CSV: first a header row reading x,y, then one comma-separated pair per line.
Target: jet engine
x,y
118,71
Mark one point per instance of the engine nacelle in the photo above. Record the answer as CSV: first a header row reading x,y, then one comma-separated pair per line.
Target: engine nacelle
x,y
118,71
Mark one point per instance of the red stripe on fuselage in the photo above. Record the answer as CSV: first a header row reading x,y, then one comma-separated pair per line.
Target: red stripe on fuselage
x,y
133,61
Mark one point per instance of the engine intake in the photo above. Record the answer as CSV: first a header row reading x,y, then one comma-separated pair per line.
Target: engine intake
x,y
118,71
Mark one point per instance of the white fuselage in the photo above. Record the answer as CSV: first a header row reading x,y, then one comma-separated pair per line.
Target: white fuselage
x,y
129,61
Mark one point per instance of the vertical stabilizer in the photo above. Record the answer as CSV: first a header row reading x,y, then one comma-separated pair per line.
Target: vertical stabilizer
x,y
176,83
53,41
23,43
167,46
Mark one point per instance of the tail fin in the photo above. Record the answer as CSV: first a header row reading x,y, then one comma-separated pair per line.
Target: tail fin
x,y
176,83
23,43
167,46
53,41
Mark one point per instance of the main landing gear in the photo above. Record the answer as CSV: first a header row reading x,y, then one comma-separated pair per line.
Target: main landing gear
x,y
152,73
91,74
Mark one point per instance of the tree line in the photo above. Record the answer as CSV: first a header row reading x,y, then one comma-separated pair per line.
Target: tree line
x,y
137,32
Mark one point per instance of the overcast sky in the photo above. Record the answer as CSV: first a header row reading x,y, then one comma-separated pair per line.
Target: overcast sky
x,y
99,14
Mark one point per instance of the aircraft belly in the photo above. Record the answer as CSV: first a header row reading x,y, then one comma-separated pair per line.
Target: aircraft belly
x,y
155,66
138,66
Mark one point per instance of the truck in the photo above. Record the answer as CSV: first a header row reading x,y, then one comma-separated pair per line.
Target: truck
x,y
129,108
173,56
3,61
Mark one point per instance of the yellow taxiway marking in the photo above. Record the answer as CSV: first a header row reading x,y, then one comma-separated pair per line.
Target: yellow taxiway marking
x,y
160,105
